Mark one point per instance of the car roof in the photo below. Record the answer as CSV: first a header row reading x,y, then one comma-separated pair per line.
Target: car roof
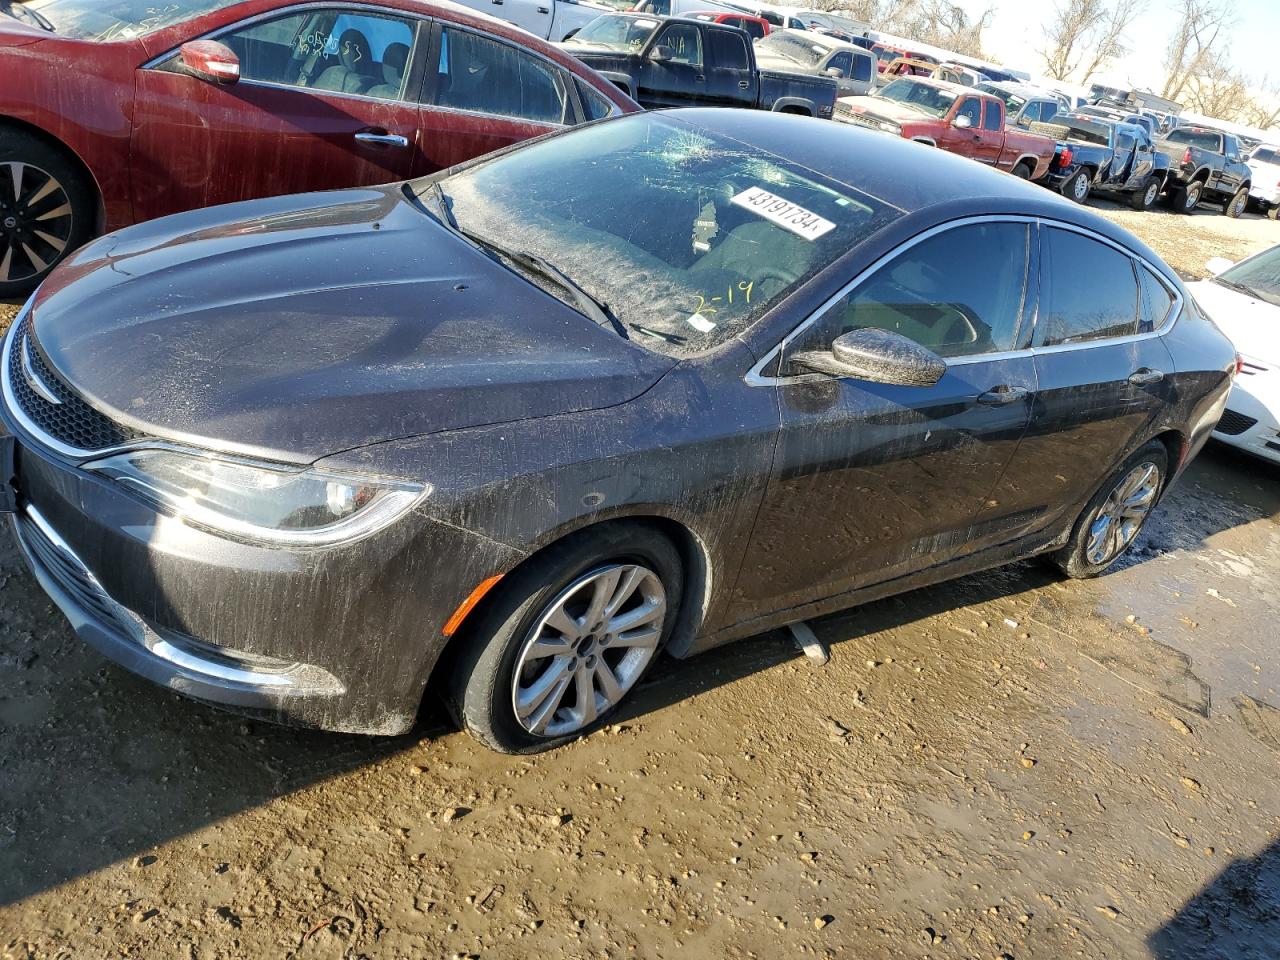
x,y
1023,89
956,88
909,176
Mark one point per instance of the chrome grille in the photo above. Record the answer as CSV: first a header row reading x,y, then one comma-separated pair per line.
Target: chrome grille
x,y
56,559
1233,424
70,421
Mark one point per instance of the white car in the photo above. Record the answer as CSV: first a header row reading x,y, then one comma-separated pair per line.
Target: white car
x,y
553,20
1243,299
1264,192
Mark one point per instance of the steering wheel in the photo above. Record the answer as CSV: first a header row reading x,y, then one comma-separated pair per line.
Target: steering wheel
x,y
784,278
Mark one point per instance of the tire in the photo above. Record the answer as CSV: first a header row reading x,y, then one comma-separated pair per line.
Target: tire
x,y
1273,212
1021,171
1144,198
499,659
34,234
1186,199
1235,206
1076,187
1078,558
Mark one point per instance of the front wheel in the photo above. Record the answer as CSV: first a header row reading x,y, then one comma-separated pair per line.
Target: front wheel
x,y
46,211
1235,206
1116,514
1144,197
567,638
1076,187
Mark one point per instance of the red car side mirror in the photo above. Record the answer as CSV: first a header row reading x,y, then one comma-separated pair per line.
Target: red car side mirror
x,y
210,60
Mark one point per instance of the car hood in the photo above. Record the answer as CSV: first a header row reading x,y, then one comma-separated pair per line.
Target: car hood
x,y
299,327
779,64
883,109
1252,325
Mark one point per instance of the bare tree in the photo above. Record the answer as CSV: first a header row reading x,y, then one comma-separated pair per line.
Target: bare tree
x,y
1263,110
1085,35
1218,90
947,25
1190,52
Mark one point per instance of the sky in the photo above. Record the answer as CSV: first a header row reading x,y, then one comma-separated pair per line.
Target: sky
x,y
1016,31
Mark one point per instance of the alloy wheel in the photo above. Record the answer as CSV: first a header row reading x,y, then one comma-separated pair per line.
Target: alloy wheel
x,y
1193,198
36,221
1080,189
588,648
1123,513
1149,198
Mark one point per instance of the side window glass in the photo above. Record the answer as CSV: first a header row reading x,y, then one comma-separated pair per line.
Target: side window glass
x,y
728,50
842,61
685,43
1031,114
862,67
992,119
1073,309
1156,301
1048,110
366,54
971,107
594,106
959,293
484,75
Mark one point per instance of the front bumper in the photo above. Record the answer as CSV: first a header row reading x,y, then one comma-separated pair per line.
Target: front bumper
x,y
339,638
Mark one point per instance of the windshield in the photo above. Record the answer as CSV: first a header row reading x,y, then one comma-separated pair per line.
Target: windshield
x,y
620,33
1204,139
1266,155
1258,275
1085,130
118,19
793,47
926,98
684,235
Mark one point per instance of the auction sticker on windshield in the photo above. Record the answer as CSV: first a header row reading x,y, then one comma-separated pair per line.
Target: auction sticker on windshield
x,y
788,215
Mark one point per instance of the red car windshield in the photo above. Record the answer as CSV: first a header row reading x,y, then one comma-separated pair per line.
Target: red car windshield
x,y
117,19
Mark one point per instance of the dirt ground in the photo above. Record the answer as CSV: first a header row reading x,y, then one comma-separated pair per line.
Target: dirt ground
x,y
1008,766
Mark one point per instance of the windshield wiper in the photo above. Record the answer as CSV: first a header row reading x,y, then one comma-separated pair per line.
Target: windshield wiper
x,y
12,8
596,310
650,332
1238,288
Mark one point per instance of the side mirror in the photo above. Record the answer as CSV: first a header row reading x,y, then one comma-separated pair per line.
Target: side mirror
x,y
210,60
962,122
877,356
1218,266
661,54
834,72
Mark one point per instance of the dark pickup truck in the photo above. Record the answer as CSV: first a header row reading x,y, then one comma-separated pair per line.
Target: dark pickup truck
x,y
1206,164
1107,156
674,62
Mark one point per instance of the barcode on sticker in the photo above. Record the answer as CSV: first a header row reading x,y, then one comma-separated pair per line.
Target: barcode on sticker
x,y
788,215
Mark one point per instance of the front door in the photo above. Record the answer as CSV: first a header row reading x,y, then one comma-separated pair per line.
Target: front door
x,y
963,140
482,94
874,481
324,100
675,78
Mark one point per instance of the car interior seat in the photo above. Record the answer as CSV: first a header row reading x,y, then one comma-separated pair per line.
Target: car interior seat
x,y
353,73
395,63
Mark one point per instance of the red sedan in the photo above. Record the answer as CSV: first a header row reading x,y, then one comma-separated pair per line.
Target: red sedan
x,y
117,111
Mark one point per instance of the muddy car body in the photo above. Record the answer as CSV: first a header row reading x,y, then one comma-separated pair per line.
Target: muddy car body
x,y
109,118
390,433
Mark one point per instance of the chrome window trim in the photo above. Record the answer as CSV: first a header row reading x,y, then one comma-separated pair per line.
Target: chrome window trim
x,y
755,377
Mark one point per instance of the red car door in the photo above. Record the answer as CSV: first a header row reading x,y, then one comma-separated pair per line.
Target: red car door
x,y
990,138
327,97
482,93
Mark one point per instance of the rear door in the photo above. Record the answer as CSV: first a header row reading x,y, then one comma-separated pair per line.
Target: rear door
x,y
876,480
482,93
326,98
728,70
1232,170
1103,376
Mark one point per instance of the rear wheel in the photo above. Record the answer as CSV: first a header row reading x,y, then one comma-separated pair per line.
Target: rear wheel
x,y
1144,198
1186,199
567,638
46,211
1076,187
1116,514
1022,171
1236,205
1273,212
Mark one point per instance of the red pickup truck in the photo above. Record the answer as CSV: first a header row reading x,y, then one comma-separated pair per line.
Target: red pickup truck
x,y
955,118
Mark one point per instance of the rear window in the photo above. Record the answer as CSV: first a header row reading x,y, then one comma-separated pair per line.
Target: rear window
x,y
1266,155
728,50
118,19
1197,138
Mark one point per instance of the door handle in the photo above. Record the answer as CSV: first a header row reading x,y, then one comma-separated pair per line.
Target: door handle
x,y
744,84
999,396
1145,376
699,78
385,139
544,9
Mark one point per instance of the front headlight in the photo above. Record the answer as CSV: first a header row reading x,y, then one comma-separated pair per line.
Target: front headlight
x,y
257,501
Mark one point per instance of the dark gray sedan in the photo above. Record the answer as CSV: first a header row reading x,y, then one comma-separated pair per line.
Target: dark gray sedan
x,y
655,384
